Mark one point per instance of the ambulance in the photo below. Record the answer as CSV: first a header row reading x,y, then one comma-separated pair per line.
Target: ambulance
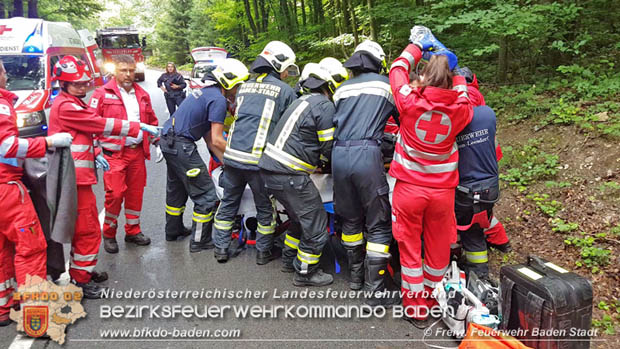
x,y
29,48
205,60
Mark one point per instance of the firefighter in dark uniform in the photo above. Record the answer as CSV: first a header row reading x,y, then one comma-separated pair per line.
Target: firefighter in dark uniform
x,y
201,115
260,103
478,187
299,140
363,105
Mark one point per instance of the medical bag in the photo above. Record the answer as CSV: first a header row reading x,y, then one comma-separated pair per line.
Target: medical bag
x,y
545,306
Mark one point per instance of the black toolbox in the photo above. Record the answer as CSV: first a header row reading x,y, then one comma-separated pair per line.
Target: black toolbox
x,y
546,306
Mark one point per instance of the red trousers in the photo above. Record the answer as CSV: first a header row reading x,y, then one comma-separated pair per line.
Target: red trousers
x,y
496,233
22,243
418,210
87,238
125,181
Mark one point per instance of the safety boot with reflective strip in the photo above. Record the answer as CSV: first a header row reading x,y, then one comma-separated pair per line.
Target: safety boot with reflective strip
x,y
201,232
354,245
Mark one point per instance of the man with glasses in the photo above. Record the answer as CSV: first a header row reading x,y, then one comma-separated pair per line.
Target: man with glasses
x,y
125,180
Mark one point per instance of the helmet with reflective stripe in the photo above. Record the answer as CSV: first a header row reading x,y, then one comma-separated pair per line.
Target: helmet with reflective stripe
x,y
71,69
335,68
317,76
374,49
280,56
230,73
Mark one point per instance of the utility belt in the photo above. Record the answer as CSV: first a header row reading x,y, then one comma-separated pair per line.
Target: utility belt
x,y
358,142
485,191
168,146
131,146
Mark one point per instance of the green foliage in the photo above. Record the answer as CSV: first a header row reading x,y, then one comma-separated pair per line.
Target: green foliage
x,y
564,113
518,102
545,205
554,184
591,255
559,225
526,164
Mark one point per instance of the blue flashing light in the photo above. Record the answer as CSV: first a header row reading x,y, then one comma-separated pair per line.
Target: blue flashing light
x,y
44,127
34,42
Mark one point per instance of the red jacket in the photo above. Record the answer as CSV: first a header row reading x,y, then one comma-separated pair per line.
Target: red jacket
x,y
13,148
71,114
106,101
430,120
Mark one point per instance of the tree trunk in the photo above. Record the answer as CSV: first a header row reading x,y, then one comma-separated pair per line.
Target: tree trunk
x,y
248,13
303,13
285,15
502,64
419,2
257,17
263,14
295,20
353,21
18,8
2,11
32,9
373,23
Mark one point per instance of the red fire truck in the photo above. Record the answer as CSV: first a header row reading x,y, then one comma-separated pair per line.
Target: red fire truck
x,y
121,41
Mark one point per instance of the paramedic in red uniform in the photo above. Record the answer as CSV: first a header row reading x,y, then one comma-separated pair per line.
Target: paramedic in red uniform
x,y
122,98
22,243
70,114
433,110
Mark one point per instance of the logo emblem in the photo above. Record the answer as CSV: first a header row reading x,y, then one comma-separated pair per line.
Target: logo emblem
x,y
35,320
3,29
433,127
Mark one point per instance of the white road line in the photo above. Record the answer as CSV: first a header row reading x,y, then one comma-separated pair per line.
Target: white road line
x,y
21,342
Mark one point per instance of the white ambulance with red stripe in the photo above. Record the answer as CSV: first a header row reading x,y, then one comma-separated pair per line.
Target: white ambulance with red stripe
x,y
29,48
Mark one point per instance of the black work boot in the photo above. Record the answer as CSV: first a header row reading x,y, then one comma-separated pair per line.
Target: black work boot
x,y
316,278
138,239
288,255
376,274
264,257
99,277
110,245
185,231
503,248
90,290
355,256
221,255
203,241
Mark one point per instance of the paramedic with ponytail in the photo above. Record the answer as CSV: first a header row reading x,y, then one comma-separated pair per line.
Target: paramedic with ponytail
x,y
433,110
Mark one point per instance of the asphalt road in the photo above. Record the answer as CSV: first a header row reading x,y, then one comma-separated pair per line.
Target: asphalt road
x,y
169,265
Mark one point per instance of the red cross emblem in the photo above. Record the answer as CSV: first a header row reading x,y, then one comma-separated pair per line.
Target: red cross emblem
x,y
433,127
3,29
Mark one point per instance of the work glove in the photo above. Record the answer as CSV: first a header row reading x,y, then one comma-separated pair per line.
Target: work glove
x,y
150,129
468,74
101,162
459,71
423,38
59,140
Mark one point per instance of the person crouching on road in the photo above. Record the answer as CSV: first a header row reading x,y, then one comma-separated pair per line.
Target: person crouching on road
x,y
70,114
363,105
173,84
433,110
122,98
201,115
22,242
294,149
260,104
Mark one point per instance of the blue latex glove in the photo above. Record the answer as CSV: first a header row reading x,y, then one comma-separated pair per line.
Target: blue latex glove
x,y
101,162
150,129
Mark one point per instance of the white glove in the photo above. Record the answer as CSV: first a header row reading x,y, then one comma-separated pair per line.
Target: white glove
x,y
159,156
150,129
59,140
102,163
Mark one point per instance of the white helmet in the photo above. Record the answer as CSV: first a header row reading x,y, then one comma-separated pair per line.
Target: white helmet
x,y
230,73
280,56
306,72
338,72
317,76
374,49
